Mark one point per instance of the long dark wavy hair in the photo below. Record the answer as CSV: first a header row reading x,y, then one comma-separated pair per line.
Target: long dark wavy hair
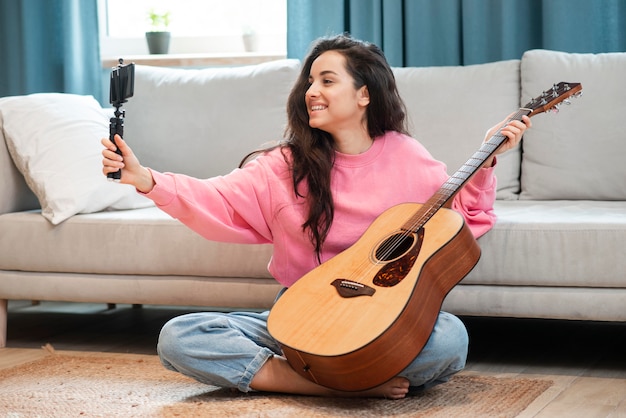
x,y
312,149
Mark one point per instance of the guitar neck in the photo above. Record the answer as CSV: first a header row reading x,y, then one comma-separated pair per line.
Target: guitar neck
x,y
456,181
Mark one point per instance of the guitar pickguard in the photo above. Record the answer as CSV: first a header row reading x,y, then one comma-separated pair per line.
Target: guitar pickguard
x,y
396,270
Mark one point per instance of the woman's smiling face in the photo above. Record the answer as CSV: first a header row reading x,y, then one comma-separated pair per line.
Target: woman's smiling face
x,y
333,103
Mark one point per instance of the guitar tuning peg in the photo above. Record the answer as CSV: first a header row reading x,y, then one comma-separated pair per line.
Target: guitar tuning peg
x,y
567,102
555,109
577,94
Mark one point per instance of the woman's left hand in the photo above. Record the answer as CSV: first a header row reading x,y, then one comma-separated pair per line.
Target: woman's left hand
x,y
513,130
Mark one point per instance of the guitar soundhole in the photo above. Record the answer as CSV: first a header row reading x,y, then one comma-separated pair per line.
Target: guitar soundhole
x,y
394,247
399,253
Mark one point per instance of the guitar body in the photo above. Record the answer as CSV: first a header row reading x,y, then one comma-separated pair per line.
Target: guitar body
x,y
357,332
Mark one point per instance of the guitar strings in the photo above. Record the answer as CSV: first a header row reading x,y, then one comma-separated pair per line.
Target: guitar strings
x,y
454,182
461,176
432,206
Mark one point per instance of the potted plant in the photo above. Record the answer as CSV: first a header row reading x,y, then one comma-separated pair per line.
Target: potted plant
x,y
249,39
158,37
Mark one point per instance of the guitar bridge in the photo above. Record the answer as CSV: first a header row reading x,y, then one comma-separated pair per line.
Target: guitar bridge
x,y
351,289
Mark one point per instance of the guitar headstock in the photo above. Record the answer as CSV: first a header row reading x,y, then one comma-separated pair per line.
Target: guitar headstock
x,y
551,98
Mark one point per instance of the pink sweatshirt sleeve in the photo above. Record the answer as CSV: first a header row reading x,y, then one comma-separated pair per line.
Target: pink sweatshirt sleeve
x,y
230,208
475,201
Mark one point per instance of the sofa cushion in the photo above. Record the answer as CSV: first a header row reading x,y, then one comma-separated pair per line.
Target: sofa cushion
x,y
554,243
134,242
54,140
577,154
482,95
202,122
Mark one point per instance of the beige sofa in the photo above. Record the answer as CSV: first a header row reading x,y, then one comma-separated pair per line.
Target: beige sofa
x,y
555,252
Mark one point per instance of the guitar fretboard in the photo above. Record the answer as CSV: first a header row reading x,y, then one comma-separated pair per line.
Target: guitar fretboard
x,y
459,178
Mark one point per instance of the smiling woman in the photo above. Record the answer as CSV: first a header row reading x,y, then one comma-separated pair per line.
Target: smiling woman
x,y
197,26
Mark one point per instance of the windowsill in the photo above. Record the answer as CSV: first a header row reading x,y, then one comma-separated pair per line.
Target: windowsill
x,y
195,60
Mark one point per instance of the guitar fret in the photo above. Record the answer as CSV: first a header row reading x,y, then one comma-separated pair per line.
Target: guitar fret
x,y
466,168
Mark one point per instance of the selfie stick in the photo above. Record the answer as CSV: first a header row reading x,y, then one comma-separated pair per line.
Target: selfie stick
x,y
116,126
117,98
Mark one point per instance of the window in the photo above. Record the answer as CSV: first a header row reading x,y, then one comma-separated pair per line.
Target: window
x,y
197,26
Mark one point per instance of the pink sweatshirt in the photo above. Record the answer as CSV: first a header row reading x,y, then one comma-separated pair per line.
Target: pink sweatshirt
x,y
257,204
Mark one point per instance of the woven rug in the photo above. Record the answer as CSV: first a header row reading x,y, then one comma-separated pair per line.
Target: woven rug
x,y
111,385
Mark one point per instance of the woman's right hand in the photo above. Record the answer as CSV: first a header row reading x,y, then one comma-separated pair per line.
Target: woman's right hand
x,y
133,172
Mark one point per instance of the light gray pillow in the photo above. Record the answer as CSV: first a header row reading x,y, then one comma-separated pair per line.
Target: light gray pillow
x,y
54,140
578,153
451,108
202,122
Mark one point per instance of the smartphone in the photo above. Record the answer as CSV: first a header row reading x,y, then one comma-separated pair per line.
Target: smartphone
x,y
122,84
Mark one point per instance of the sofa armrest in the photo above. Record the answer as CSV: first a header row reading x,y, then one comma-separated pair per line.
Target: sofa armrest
x,y
14,192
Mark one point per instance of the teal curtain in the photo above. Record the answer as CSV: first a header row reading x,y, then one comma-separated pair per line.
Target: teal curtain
x,y
460,32
49,46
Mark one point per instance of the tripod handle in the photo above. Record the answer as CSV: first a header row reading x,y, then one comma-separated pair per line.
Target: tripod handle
x,y
116,126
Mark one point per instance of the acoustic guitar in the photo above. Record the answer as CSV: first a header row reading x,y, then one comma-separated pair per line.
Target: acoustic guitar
x,y
360,318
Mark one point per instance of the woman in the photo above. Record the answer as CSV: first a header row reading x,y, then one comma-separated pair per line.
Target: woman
x,y
347,157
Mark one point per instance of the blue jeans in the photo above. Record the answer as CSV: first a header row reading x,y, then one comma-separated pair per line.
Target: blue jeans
x,y
228,349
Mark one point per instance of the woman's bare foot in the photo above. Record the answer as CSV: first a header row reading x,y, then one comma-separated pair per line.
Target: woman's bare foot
x,y
396,388
276,375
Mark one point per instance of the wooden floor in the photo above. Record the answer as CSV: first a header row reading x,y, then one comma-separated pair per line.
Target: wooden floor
x,y
586,361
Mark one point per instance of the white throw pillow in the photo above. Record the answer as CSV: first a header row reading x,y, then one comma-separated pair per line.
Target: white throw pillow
x,y
54,140
577,154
